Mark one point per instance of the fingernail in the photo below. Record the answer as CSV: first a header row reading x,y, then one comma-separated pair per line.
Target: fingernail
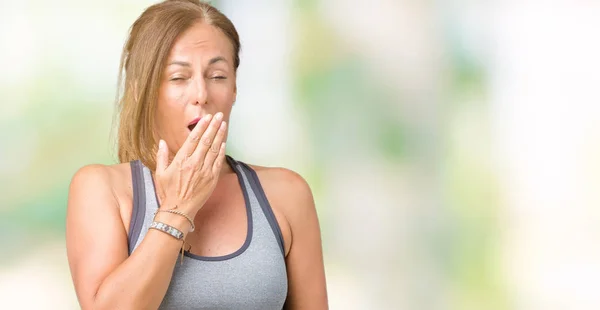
x,y
219,116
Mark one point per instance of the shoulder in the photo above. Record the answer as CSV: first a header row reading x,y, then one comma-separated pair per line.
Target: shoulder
x,y
98,179
288,192
94,175
284,182
100,175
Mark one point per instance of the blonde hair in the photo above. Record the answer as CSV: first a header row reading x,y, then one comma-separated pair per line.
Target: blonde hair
x,y
142,62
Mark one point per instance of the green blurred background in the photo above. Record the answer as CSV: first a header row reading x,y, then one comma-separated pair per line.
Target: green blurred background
x,y
452,146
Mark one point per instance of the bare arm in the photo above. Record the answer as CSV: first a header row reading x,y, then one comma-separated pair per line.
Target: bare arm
x,y
103,274
105,277
305,268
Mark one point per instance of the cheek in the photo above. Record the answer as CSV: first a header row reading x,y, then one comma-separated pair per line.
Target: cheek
x,y
170,106
221,95
173,96
171,101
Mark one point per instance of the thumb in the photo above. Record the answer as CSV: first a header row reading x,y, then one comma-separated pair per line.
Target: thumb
x,y
162,156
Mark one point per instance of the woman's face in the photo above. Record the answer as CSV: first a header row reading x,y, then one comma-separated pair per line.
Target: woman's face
x,y
199,79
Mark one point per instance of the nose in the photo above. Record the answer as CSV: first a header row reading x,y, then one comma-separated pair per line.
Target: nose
x,y
200,91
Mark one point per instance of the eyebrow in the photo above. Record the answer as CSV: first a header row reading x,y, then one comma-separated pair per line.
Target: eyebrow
x,y
187,64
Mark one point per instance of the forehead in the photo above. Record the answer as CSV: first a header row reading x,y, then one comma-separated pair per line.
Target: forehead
x,y
201,40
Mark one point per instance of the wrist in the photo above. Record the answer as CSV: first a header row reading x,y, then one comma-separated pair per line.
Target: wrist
x,y
179,206
177,221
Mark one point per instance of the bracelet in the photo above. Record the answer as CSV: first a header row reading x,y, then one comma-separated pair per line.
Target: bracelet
x,y
173,211
172,231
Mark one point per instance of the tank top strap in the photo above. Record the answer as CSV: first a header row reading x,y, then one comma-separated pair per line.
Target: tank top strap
x,y
266,209
139,204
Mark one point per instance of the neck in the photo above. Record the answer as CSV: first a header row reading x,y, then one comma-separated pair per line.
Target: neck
x,y
225,168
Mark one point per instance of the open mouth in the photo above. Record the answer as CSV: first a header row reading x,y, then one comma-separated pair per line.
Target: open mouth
x,y
193,124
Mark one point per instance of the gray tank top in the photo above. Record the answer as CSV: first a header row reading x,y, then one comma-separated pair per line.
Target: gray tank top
x,y
253,277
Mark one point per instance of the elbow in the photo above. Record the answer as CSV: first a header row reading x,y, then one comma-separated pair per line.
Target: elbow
x,y
103,302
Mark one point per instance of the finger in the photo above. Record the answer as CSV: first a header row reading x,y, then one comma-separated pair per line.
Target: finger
x,y
162,156
213,151
216,167
207,138
192,140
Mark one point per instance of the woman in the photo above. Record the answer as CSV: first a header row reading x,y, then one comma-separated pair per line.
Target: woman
x,y
178,224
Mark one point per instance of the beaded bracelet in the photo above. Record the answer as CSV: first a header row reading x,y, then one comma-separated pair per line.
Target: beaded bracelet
x,y
173,211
